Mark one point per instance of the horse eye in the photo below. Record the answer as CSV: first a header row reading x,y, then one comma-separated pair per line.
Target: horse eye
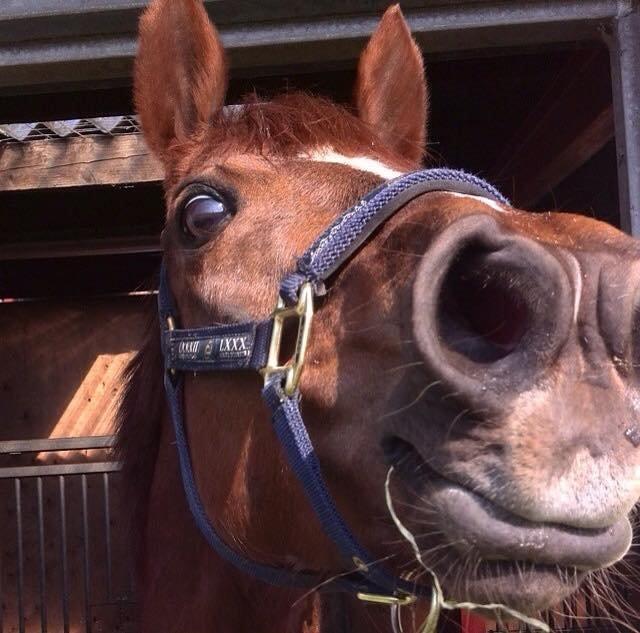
x,y
202,215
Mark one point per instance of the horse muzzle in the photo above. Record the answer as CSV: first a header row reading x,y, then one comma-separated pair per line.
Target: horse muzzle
x,y
495,318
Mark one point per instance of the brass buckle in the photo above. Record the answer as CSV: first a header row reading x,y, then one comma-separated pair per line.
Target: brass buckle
x,y
292,369
171,325
397,601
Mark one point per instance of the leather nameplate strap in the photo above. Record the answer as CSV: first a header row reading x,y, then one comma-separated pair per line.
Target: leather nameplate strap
x,y
217,348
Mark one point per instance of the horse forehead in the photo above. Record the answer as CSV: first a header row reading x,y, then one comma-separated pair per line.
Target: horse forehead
x,y
571,232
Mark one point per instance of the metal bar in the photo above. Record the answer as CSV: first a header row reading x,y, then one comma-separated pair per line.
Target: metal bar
x,y
625,77
42,576
85,555
2,488
262,42
80,248
47,8
107,532
63,554
244,11
451,16
56,444
20,553
59,469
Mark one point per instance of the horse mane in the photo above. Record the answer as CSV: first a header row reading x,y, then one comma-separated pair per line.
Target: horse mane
x,y
290,125
138,424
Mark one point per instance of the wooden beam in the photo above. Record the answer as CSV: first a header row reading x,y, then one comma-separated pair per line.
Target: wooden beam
x,y
571,122
77,162
80,248
564,162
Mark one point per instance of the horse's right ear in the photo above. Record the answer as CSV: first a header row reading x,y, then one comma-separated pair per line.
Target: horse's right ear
x,y
180,76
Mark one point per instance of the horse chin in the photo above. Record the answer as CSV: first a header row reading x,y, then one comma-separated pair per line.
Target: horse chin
x,y
487,554
522,586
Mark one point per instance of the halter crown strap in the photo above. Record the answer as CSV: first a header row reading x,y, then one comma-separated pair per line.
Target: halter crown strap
x,y
251,346
347,234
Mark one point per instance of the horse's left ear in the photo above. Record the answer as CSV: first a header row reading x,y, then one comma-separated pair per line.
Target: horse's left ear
x,y
180,76
391,91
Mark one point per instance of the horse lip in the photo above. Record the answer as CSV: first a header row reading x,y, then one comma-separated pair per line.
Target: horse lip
x,y
494,533
473,522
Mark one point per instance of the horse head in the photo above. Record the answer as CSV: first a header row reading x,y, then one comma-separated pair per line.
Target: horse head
x,y
488,354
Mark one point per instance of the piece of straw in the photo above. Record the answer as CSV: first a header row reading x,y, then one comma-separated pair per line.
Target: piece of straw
x,y
438,600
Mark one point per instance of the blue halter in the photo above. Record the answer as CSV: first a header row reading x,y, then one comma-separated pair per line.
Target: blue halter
x,y
255,346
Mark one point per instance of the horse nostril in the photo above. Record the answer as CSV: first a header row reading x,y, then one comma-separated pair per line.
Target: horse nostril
x,y
490,307
481,312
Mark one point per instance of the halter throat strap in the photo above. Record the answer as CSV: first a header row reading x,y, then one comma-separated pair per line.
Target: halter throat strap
x,y
255,346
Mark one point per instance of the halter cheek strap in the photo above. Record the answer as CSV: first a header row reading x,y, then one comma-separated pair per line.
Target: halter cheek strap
x,y
256,346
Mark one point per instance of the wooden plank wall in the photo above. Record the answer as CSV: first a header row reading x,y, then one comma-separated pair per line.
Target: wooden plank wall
x,y
60,376
76,162
61,364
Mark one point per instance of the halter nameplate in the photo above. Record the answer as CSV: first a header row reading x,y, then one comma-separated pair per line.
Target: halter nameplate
x,y
218,348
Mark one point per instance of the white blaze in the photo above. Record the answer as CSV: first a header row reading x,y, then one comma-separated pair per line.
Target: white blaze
x,y
361,163
378,168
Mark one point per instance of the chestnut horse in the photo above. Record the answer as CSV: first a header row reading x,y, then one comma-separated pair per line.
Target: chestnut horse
x,y
488,354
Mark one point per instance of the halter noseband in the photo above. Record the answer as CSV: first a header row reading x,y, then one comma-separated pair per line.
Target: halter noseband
x,y
256,346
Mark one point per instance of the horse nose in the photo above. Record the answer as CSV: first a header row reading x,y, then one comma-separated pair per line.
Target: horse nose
x,y
490,309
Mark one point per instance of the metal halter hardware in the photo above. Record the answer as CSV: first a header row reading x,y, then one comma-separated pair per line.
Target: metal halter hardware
x,y
292,369
257,346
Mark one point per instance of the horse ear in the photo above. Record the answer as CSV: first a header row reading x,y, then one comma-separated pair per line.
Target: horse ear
x,y
391,90
180,76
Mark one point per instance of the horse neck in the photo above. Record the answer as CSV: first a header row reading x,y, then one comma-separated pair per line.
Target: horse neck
x,y
186,587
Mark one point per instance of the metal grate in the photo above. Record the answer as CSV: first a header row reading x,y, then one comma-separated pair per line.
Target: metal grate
x,y
43,130
64,568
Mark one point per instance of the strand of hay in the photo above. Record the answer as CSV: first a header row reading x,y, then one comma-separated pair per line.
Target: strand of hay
x,y
438,602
